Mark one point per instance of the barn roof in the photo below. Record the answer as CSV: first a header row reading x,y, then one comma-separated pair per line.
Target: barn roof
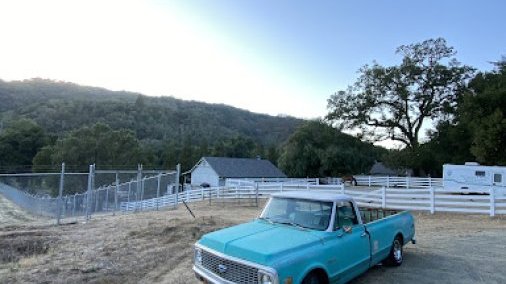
x,y
243,168
381,169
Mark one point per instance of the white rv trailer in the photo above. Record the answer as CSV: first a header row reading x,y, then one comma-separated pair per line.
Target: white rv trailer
x,y
474,178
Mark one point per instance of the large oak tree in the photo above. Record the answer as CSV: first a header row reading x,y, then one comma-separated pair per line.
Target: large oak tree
x,y
395,102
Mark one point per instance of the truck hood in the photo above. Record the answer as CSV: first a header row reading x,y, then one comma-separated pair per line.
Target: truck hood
x,y
259,241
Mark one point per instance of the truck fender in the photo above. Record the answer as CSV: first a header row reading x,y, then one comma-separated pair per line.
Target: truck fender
x,y
309,269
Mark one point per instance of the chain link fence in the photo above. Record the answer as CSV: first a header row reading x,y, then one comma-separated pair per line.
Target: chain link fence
x,y
69,196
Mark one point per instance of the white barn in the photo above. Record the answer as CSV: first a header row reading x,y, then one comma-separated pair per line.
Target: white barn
x,y
215,170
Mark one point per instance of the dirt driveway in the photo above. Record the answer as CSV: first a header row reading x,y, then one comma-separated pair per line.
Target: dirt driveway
x,y
152,247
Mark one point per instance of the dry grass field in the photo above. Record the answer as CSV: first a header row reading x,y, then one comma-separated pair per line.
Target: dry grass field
x,y
156,247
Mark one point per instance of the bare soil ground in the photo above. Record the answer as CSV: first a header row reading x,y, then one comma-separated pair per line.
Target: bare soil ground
x,y
156,247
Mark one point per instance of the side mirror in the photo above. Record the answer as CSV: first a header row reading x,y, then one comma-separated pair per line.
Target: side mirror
x,y
347,229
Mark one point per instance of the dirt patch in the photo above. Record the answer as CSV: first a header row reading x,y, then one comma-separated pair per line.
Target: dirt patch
x,y
16,245
156,247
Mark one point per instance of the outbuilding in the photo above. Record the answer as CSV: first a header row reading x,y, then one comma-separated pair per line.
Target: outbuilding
x,y
213,171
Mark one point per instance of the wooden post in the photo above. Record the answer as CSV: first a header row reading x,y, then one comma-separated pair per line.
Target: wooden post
x,y
492,201
432,200
256,195
383,197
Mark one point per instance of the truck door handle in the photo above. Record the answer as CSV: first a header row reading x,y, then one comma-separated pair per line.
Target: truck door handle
x,y
363,234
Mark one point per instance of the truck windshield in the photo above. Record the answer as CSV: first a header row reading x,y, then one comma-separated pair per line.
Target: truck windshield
x,y
298,212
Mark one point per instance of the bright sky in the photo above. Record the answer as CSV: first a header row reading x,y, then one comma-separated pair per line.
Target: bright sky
x,y
275,57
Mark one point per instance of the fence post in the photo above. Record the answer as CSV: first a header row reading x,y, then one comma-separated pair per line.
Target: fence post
x,y
158,184
388,181
281,187
178,172
142,193
407,182
107,198
432,200
116,189
492,201
369,181
256,194
383,197
89,192
342,188
129,191
307,185
60,193
97,198
74,207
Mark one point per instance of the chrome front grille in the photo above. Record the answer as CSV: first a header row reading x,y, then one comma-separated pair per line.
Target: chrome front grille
x,y
229,270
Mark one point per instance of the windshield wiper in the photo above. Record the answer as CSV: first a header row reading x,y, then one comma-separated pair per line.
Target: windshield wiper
x,y
293,224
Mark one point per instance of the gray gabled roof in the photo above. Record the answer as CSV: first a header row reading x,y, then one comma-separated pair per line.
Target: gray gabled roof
x,y
381,169
243,168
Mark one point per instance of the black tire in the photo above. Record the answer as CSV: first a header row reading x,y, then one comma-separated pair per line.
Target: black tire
x,y
396,255
313,278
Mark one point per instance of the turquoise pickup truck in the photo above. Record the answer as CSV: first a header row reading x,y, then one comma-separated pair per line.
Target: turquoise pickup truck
x,y
304,237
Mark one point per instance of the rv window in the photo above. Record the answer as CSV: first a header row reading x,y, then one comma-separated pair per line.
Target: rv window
x,y
498,178
480,173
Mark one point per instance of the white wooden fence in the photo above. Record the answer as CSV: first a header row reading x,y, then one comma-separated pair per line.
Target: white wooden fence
x,y
406,182
432,199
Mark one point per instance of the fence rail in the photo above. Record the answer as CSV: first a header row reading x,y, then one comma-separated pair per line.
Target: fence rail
x,y
433,199
160,190
406,182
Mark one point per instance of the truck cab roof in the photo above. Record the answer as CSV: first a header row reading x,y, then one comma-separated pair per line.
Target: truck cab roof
x,y
319,195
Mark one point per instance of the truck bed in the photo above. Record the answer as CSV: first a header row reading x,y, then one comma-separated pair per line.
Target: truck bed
x,y
373,214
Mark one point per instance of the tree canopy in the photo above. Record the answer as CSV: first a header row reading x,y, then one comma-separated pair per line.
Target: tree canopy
x,y
394,102
98,145
317,149
484,111
19,143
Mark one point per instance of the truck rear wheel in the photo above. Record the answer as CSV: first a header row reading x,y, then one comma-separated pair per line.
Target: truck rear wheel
x,y
396,256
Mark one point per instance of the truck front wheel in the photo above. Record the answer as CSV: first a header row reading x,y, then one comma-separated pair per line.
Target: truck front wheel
x,y
396,256
314,278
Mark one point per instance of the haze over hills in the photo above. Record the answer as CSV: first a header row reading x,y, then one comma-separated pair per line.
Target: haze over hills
x,y
61,106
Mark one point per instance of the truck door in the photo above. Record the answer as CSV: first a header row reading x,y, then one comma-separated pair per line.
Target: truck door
x,y
354,253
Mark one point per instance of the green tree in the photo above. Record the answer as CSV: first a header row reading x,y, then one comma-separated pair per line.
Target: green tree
x,y
394,102
98,145
19,143
317,149
484,110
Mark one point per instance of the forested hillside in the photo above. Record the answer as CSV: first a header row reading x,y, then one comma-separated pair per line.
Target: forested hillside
x,y
59,107
165,130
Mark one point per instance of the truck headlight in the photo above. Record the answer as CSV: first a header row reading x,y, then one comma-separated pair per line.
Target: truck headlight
x,y
198,256
265,277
